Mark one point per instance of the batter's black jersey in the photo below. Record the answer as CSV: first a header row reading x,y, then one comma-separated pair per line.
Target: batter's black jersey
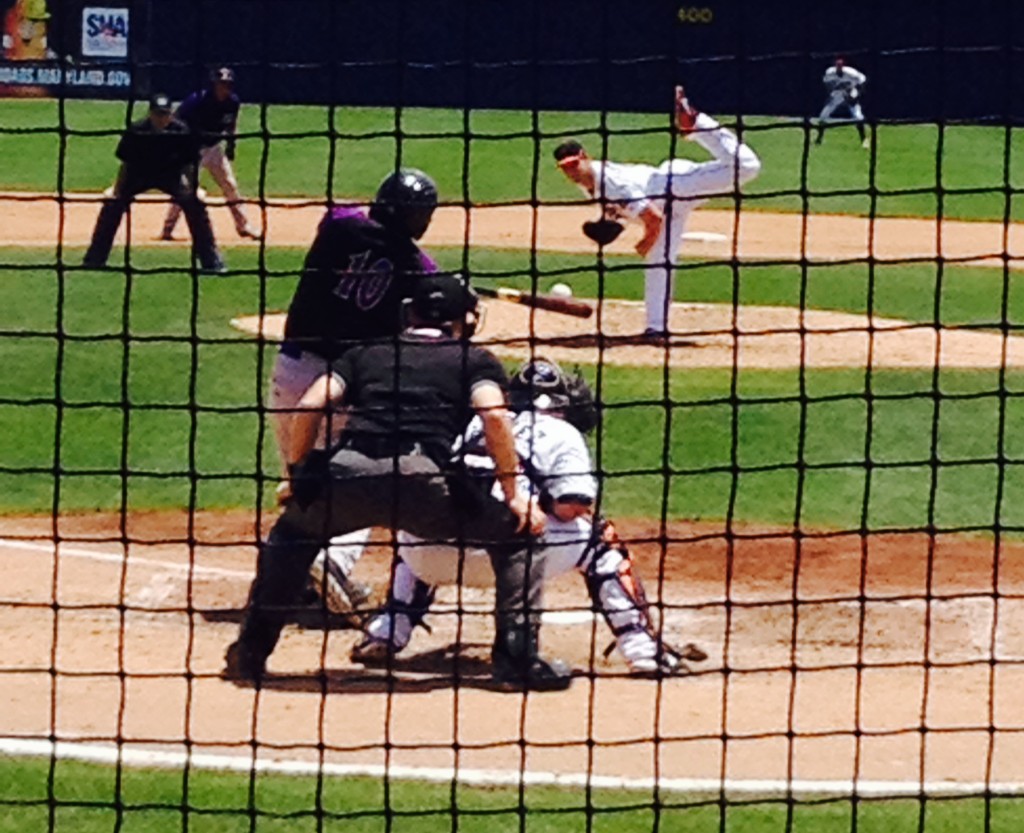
x,y
356,276
152,155
415,388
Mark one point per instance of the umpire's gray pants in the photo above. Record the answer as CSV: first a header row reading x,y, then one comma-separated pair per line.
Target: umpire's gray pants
x,y
410,493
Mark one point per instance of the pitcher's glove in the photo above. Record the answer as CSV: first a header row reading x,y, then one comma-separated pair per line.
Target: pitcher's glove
x,y
602,231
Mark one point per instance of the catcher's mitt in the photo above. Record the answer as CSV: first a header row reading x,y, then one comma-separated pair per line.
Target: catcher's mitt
x,y
602,231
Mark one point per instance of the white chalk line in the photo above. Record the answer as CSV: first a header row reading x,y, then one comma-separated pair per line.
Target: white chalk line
x,y
125,756
554,617
979,628
122,559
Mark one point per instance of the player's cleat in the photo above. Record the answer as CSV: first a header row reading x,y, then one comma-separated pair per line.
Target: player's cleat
x,y
167,237
530,674
668,662
373,652
217,267
516,664
248,234
653,336
686,114
242,666
93,263
341,595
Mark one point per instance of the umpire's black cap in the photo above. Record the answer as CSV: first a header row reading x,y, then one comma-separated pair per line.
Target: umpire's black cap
x,y
159,103
441,298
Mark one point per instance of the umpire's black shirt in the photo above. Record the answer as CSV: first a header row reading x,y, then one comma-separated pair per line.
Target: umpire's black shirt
x,y
153,155
413,389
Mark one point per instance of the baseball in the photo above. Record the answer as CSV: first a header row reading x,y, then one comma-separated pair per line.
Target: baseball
x,y
561,290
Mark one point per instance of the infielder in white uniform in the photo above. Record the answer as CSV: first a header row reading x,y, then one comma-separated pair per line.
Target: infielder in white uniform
x,y
551,408
662,198
843,84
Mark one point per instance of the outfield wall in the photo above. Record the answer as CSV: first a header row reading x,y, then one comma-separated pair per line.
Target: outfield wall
x,y
939,60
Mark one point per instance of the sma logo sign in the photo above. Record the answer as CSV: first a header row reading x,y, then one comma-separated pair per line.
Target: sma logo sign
x,y
104,32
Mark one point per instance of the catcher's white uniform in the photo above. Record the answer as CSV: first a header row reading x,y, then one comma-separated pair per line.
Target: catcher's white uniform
x,y
556,463
676,187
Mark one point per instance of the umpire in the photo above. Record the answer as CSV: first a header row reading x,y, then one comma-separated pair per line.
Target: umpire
x,y
406,401
158,152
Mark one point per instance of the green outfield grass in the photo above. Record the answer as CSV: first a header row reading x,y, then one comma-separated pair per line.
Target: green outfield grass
x,y
85,799
139,394
506,156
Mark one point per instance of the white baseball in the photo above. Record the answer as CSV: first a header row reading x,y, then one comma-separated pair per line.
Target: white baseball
x,y
561,290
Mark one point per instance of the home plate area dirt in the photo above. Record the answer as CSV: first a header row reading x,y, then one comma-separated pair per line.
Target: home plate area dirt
x,y
823,638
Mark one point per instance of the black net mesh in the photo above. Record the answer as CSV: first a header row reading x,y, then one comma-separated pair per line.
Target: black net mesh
x,y
799,604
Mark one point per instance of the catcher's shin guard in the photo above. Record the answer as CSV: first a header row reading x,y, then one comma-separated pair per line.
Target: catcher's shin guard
x,y
618,594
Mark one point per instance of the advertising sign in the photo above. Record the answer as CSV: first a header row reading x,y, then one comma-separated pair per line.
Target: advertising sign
x,y
104,32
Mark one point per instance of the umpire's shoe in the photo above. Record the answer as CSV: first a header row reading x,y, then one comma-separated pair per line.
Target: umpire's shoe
x,y
517,666
242,666
214,267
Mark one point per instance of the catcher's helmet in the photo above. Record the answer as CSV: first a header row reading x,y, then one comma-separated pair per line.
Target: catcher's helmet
x,y
406,201
542,383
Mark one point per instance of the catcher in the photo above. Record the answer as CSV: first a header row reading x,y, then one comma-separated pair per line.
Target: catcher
x,y
553,410
660,199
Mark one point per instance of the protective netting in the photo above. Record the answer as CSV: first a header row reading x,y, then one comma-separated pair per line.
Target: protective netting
x,y
804,353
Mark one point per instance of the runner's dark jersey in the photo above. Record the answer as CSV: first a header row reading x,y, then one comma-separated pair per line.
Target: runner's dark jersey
x,y
210,119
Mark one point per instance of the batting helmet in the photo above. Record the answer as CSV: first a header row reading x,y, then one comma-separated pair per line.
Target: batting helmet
x,y
542,383
406,201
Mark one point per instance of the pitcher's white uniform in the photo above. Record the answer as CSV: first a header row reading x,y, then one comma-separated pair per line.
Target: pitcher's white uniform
x,y
556,463
676,187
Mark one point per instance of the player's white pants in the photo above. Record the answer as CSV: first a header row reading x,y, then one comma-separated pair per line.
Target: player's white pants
x,y
686,185
836,101
290,380
565,546
215,160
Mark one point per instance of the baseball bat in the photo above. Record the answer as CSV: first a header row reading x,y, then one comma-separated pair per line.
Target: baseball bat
x,y
551,303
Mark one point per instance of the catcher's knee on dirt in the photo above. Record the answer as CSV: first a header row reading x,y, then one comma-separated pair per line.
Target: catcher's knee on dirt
x,y
618,594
